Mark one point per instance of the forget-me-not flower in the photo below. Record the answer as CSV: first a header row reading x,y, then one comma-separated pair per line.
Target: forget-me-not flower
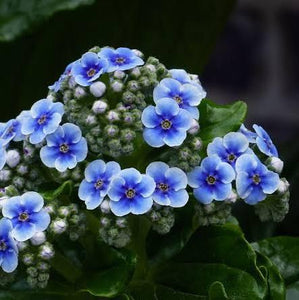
x,y
166,124
171,184
131,192
230,147
57,84
43,119
11,131
264,141
89,68
212,180
8,247
187,96
26,214
254,181
251,136
2,154
98,176
65,148
120,59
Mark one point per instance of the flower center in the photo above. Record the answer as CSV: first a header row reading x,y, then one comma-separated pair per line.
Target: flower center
x,y
99,184
3,246
120,60
42,119
256,179
211,179
231,157
178,99
163,187
130,193
64,148
91,72
166,124
23,216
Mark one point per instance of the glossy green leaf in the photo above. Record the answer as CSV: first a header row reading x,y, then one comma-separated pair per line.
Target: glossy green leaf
x,y
217,120
66,188
217,291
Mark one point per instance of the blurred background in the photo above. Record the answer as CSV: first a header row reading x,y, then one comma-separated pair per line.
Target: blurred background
x,y
242,50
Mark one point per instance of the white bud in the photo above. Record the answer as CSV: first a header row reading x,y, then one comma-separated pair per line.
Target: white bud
x,y
79,92
98,89
59,226
13,158
137,52
99,107
151,67
117,86
119,74
105,221
112,116
5,175
22,245
46,251
136,72
91,120
105,208
232,197
28,259
72,83
49,209
38,238
283,186
194,127
275,164
50,97
22,169
121,222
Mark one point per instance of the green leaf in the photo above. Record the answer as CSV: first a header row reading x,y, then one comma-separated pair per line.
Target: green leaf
x,y
65,189
217,120
284,253
20,15
217,291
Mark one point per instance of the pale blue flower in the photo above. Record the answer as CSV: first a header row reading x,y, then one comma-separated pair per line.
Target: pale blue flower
x,y
11,131
65,148
57,84
98,176
26,214
131,192
251,136
2,154
171,184
264,141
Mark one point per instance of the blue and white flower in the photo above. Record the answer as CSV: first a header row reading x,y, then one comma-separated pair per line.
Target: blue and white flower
x,y
120,59
212,180
254,181
43,119
89,68
251,136
2,154
165,124
187,96
171,184
131,192
65,148
26,214
8,247
11,131
98,176
230,147
264,141
57,84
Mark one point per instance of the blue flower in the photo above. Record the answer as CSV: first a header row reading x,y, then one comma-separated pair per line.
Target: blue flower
x,y
65,148
264,141
57,84
43,119
8,248
11,131
251,136
120,59
2,154
94,187
171,184
88,68
186,95
131,192
212,180
26,214
254,181
165,124
230,147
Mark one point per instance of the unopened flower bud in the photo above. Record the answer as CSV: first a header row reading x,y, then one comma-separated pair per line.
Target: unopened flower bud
x,y
194,127
46,251
28,259
275,164
79,92
98,89
13,158
22,169
117,86
136,72
99,107
59,226
5,175
112,116
38,238
283,186
91,120
105,208
119,74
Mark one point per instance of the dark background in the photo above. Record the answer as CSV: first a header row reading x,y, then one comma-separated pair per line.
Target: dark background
x,y
242,50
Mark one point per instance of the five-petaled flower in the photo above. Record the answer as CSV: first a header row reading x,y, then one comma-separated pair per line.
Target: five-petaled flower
x,y
230,147
254,181
166,123
43,119
94,187
89,68
131,192
11,131
171,184
187,96
264,141
26,214
212,180
65,148
120,59
8,247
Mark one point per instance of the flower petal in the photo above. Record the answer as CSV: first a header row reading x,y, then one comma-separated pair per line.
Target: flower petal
x,y
117,188
10,261
255,196
167,108
141,205
178,198
72,133
32,201
23,231
157,170
41,220
176,178
269,182
94,170
149,117
120,208
11,207
154,136
66,161
146,186
222,191
174,137
204,194
49,156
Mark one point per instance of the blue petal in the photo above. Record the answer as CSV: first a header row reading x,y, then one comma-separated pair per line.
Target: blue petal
x,y
235,142
182,120
196,177
23,231
255,196
217,148
264,142
178,198
94,202
154,137
56,138
160,91
10,261
146,186
58,107
117,189
204,194
193,111
167,108
5,227
251,136
106,52
150,118
87,191
32,201
243,184
269,182
121,207
246,163
41,107
141,205
49,156
2,156
210,164
112,169
66,161
174,137
41,220
190,94
28,125
52,124
225,172
180,75
11,207
157,171
79,150
37,136
72,133
161,198
89,59
131,177
176,178
95,170
82,80
222,191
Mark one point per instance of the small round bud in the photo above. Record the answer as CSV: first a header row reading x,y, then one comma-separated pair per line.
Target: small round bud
x,y
283,186
18,182
5,175
127,135
105,208
64,211
133,85
28,151
151,67
121,222
99,107
112,116
50,97
79,92
98,89
71,83
138,53
275,164
91,120
136,72
46,251
38,238
50,209
117,86
22,169
232,197
28,259
196,143
105,222
13,158
111,130
119,74
43,266
32,271
59,226
95,131
194,127
128,97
